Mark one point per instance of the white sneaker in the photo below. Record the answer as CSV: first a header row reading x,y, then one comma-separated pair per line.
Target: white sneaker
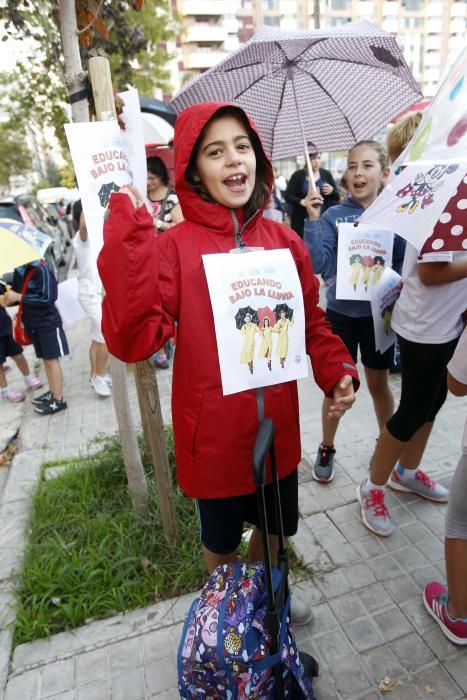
x,y
100,386
107,379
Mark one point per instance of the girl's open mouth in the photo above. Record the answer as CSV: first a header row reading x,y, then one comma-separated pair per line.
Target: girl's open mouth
x,y
236,183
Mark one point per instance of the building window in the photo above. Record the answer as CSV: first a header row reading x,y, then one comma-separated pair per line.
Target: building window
x,y
414,5
272,21
340,4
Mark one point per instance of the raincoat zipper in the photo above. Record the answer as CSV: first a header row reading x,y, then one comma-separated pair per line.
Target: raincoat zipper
x,y
238,232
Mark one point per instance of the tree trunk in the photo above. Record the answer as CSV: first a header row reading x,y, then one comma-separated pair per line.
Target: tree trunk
x,y
75,77
154,436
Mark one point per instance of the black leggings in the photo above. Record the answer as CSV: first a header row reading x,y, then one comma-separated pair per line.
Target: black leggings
x,y
424,386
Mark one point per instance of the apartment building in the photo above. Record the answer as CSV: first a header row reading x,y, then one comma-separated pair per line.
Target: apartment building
x,y
431,33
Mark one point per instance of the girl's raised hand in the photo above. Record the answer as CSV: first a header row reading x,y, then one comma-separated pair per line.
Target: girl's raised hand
x,y
133,194
313,203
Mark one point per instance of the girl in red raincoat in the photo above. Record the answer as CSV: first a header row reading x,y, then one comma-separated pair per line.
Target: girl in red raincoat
x,y
223,181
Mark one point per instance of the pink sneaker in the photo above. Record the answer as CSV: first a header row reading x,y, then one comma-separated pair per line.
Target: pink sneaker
x,y
34,383
435,597
14,396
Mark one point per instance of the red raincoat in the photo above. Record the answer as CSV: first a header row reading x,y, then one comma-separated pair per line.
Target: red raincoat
x,y
152,281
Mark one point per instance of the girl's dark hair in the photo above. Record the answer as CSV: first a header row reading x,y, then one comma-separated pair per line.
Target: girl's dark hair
x,y
261,191
156,166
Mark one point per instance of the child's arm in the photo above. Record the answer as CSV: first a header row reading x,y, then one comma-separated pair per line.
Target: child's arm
x,y
42,289
457,368
330,359
433,273
132,270
320,236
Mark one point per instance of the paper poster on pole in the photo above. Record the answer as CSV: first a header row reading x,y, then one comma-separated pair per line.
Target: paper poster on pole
x,y
102,166
67,302
363,252
383,296
259,318
133,138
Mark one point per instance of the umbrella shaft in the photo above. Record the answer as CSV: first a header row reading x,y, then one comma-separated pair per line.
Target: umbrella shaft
x,y
305,146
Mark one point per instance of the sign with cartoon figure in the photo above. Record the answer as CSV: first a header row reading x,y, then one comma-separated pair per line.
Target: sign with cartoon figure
x,y
363,253
259,318
426,202
383,296
102,166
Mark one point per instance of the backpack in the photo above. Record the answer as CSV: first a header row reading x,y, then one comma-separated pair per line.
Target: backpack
x,y
224,653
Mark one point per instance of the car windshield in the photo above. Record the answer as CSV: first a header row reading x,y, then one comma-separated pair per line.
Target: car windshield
x,y
9,211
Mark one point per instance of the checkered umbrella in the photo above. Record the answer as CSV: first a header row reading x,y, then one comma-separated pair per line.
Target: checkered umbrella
x,y
320,90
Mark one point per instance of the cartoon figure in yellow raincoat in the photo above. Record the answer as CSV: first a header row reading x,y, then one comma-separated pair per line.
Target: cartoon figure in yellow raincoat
x,y
248,331
266,341
356,264
282,327
377,269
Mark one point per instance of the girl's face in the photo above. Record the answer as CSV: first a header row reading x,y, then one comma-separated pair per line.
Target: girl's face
x,y
226,162
364,174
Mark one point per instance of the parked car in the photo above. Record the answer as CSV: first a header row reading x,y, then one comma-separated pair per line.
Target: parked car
x,y
27,210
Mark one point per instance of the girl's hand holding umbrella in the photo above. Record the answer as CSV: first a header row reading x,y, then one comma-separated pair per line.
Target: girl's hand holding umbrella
x,y
313,203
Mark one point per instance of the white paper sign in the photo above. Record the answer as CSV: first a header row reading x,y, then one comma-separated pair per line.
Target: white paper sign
x,y
259,318
102,166
133,138
412,202
363,252
383,297
67,302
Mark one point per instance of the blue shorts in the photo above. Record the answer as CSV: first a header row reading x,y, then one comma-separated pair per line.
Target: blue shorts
x,y
9,347
222,519
50,344
360,332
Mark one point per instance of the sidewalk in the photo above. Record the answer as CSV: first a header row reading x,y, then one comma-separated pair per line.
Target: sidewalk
x,y
369,620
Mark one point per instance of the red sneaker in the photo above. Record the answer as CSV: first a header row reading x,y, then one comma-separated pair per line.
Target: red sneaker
x,y
435,597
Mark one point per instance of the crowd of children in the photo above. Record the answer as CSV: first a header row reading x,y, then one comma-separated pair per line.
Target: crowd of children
x,y
223,184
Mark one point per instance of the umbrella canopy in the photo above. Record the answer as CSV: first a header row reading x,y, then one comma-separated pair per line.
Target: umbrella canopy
x,y
321,90
20,244
283,307
242,312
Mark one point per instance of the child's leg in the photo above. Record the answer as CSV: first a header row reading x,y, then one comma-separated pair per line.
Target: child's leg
x,y
54,375
213,560
383,400
3,382
456,541
413,451
330,425
101,356
22,364
255,547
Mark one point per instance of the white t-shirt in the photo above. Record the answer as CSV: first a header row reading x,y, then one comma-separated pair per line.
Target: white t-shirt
x,y
429,313
458,368
88,276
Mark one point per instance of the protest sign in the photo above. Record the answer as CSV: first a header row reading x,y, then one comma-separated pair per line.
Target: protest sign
x,y
363,252
383,296
259,318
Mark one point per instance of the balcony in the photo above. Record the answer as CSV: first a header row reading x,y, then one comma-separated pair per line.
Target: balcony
x,y
202,60
201,31
203,8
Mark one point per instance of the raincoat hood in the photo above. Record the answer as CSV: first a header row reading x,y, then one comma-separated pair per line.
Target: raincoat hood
x,y
188,127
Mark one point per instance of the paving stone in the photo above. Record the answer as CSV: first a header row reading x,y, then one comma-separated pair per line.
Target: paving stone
x,y
384,567
409,558
412,652
381,662
392,624
438,643
347,608
358,576
25,686
434,682
433,550
416,532
94,691
363,634
129,685
458,669
374,597
401,589
160,676
92,666
57,677
349,677
125,655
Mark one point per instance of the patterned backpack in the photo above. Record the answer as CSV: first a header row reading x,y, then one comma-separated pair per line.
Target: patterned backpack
x,y
225,650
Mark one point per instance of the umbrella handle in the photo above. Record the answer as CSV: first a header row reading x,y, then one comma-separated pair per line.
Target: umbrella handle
x,y
311,180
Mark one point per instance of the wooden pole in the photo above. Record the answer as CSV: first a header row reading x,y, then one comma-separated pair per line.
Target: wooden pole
x,y
145,374
99,75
